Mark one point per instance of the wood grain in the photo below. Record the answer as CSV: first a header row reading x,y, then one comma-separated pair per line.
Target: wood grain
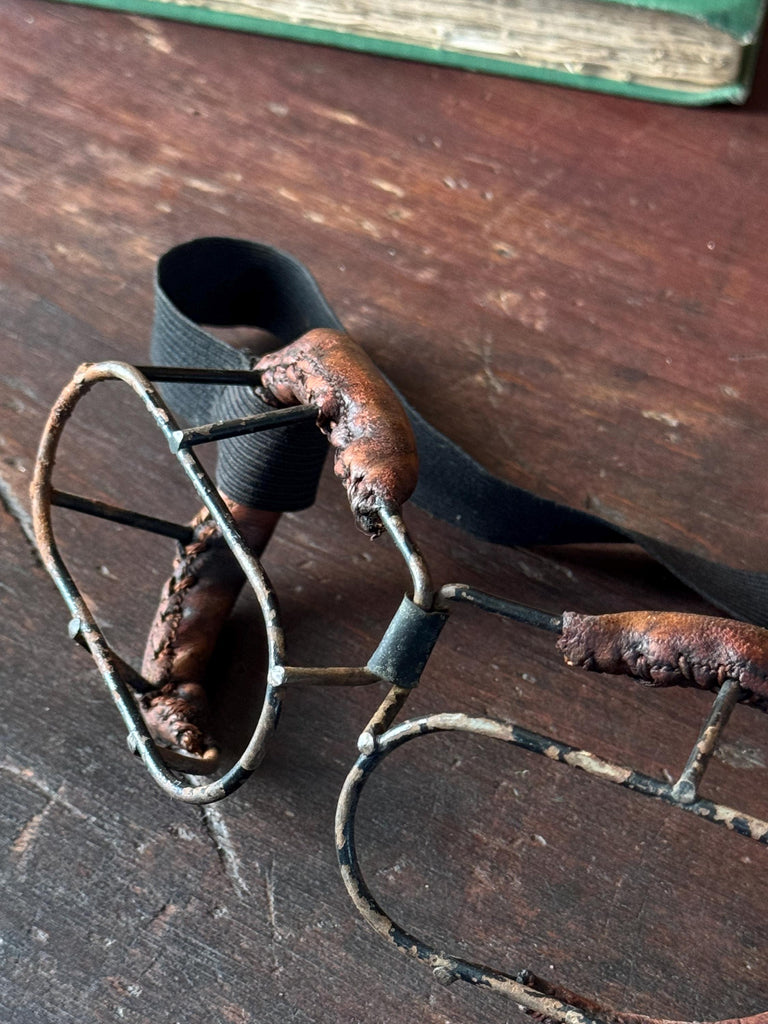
x,y
571,286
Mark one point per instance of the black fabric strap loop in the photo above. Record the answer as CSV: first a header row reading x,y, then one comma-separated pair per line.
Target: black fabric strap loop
x,y
225,282
231,282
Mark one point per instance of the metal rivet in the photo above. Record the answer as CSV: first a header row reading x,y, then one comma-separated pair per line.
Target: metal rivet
x,y
366,743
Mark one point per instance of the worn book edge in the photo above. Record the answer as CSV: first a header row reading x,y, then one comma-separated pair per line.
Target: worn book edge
x,y
735,91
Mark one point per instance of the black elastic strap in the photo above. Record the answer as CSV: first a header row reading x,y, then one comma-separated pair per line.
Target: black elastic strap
x,y
230,282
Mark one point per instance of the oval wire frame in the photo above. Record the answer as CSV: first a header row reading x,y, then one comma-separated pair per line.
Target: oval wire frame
x,y
88,630
550,1002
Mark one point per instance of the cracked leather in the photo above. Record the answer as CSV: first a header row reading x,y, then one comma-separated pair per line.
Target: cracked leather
x,y
669,648
374,446
195,602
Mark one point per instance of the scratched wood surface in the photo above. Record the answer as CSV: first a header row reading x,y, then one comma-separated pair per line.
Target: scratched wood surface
x,y
571,286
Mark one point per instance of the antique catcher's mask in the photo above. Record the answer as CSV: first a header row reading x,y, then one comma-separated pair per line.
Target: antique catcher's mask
x,y
265,417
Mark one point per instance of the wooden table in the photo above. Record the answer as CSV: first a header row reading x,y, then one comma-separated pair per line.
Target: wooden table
x,y
569,285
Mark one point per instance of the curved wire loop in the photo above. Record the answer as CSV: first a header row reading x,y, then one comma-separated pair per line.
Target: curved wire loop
x,y
547,1001
84,627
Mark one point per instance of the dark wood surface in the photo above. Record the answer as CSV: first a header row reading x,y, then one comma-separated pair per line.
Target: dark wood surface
x,y
569,285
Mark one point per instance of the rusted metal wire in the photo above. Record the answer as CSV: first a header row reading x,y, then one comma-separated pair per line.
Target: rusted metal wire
x,y
548,1001
399,660
89,633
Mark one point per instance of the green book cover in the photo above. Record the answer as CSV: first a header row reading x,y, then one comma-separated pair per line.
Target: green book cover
x,y
694,52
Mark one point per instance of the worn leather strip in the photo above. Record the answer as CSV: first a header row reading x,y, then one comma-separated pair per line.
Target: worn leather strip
x,y
195,602
228,282
374,446
668,648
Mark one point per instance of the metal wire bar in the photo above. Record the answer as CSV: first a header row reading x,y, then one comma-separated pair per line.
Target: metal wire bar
x,y
499,606
195,375
383,718
126,516
298,675
423,593
223,429
686,788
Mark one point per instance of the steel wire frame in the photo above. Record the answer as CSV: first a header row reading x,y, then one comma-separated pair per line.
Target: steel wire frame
x,y
412,634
